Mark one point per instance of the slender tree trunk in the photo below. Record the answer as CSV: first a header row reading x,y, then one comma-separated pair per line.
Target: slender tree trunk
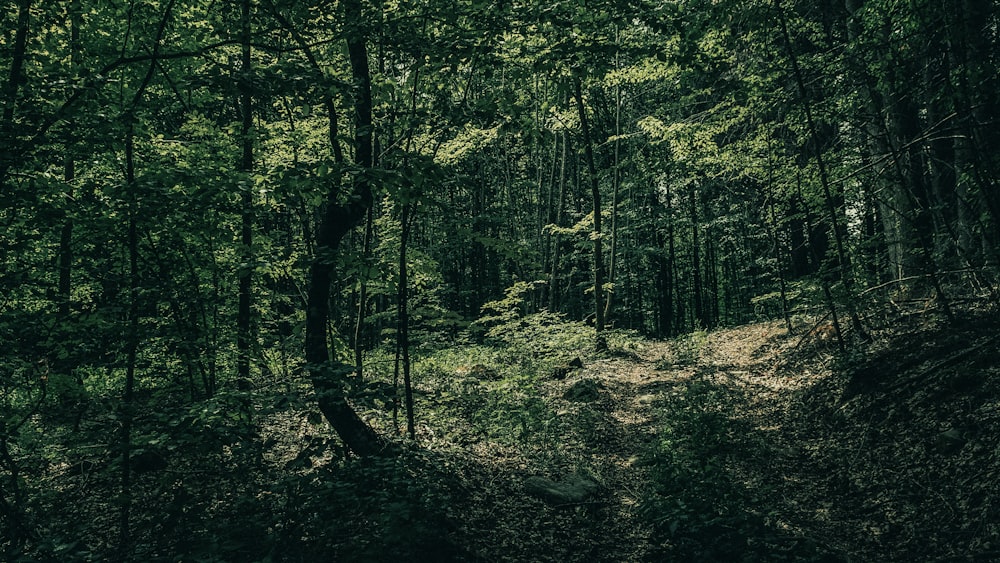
x,y
778,269
66,248
244,333
595,191
403,321
127,409
363,296
831,303
668,314
843,259
712,273
891,229
550,216
664,317
910,167
10,90
699,303
615,183
556,239
69,176
65,289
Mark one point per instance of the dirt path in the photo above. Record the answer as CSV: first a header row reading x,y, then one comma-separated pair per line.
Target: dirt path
x,y
744,445
644,391
775,456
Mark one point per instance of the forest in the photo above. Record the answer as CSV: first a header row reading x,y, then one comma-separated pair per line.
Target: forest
x,y
499,280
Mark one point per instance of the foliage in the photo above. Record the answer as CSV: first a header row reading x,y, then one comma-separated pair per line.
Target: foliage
x,y
538,340
173,175
498,399
688,347
694,498
388,509
702,505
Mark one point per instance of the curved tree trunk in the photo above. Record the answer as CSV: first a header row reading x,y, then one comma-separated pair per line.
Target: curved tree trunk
x,y
338,219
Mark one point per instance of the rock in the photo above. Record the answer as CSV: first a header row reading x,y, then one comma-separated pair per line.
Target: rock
x,y
574,489
583,391
561,372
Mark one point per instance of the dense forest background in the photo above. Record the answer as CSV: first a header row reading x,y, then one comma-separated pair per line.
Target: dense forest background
x,y
218,214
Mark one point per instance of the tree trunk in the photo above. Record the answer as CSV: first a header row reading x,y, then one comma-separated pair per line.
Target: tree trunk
x,y
615,184
843,260
69,176
65,289
779,270
595,191
403,323
665,266
7,137
363,296
699,303
337,220
712,275
556,239
127,409
243,315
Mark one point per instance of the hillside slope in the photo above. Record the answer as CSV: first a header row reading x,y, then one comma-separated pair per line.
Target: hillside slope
x,y
751,444
744,444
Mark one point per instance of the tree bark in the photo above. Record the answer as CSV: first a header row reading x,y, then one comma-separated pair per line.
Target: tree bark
x,y
615,185
556,239
11,88
65,287
337,220
699,303
595,191
243,315
403,322
359,325
779,270
127,409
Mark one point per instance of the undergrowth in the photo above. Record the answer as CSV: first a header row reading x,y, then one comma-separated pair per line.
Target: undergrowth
x,y
697,505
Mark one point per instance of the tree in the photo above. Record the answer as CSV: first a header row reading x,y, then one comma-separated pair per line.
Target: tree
x,y
244,331
595,190
337,219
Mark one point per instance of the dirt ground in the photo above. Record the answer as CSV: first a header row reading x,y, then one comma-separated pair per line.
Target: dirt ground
x,y
886,454
744,444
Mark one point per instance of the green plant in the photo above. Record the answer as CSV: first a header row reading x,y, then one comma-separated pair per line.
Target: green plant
x,y
688,347
536,341
694,501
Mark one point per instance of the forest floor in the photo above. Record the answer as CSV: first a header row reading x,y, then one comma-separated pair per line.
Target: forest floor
x,y
750,444
743,444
